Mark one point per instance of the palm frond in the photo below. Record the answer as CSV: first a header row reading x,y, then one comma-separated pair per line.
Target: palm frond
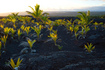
x,y
88,13
32,8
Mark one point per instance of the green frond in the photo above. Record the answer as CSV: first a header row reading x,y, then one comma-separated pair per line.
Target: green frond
x,y
33,41
12,63
31,8
93,47
45,13
88,13
18,62
37,7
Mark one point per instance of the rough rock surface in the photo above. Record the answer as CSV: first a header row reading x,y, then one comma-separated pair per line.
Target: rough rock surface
x,y
47,56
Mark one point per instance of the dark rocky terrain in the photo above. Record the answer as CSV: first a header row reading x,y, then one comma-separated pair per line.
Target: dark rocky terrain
x,y
46,56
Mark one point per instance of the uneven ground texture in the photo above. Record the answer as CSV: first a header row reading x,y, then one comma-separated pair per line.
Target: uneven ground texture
x,y
46,56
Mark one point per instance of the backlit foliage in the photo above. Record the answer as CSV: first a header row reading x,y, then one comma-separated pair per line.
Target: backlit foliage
x,y
89,47
24,24
14,66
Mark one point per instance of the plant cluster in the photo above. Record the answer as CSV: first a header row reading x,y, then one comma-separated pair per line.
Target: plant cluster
x,y
80,28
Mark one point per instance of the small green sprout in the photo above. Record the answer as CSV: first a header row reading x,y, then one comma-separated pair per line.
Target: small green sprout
x,y
4,39
54,31
89,47
96,24
12,31
49,23
37,30
101,23
76,28
23,19
87,29
64,22
53,36
69,23
14,26
71,29
50,28
59,47
13,20
82,32
19,33
23,28
76,35
27,29
4,20
58,22
2,26
37,23
28,19
30,42
33,21
6,30
17,64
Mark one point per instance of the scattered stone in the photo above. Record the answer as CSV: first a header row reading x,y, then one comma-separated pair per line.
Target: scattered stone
x,y
48,40
25,51
94,36
59,40
24,44
34,35
33,51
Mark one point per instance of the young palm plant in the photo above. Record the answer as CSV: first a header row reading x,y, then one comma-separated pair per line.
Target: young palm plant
x,y
19,33
37,13
23,28
86,29
30,42
13,15
13,18
76,28
89,47
96,24
69,23
82,31
28,19
84,18
6,30
50,28
23,19
49,22
27,29
54,36
4,39
37,30
71,29
15,66
59,47
4,20
12,31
